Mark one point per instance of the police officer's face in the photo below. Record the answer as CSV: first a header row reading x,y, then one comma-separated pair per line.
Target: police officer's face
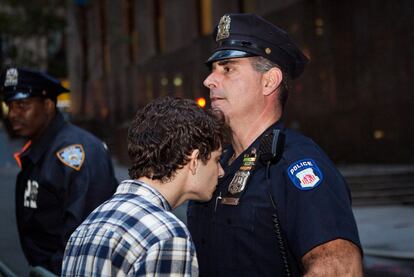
x,y
29,117
235,88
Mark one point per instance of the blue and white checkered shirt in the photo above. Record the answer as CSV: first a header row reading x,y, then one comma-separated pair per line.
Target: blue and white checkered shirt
x,y
132,234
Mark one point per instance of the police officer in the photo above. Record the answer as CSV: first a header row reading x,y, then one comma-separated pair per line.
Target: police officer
x,y
65,171
282,208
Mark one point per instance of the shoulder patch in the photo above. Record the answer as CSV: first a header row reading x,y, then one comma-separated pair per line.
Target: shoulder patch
x,y
72,156
305,174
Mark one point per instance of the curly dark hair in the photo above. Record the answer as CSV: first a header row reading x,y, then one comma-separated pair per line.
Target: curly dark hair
x,y
166,131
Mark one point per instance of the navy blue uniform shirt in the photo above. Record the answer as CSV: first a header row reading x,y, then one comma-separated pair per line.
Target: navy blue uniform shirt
x,y
313,203
65,174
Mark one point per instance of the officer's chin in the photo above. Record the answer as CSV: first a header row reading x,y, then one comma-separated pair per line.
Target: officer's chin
x,y
21,132
17,131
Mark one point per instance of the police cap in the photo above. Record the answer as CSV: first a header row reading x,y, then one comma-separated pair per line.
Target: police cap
x,y
247,35
21,83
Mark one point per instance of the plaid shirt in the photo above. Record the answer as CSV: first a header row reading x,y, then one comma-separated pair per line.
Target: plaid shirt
x,y
132,234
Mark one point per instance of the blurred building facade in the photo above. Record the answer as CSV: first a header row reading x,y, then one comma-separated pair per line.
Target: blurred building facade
x,y
354,98
32,35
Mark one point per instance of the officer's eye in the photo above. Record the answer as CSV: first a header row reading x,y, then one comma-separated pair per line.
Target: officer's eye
x,y
227,69
23,105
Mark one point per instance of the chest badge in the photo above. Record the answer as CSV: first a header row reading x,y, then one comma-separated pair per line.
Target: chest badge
x,y
238,183
72,156
30,194
240,178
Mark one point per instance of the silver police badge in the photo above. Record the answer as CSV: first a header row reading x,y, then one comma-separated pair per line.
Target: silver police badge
x,y
12,77
223,27
238,183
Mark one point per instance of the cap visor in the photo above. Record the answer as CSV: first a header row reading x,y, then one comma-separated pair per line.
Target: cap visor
x,y
13,96
227,54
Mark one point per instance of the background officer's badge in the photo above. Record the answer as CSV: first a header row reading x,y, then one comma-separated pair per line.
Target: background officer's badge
x,y
30,194
223,27
11,77
72,156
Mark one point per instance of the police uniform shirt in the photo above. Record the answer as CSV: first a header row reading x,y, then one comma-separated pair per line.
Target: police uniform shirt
x,y
65,174
313,203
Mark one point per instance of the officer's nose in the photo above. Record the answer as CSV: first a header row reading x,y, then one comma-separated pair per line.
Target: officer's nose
x,y
211,81
13,111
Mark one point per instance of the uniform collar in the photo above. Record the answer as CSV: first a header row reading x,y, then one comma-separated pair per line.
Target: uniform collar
x,y
229,151
39,146
144,190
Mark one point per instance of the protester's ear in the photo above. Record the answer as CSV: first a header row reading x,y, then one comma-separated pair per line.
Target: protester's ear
x,y
272,79
193,163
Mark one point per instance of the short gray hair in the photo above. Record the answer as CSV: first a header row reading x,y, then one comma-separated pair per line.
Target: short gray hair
x,y
262,65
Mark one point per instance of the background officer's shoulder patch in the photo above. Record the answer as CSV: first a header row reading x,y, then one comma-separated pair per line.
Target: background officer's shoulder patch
x,y
305,174
72,156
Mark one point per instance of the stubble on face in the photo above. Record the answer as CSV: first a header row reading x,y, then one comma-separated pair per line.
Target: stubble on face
x,y
235,87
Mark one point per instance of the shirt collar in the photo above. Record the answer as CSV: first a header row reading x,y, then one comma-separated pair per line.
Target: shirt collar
x,y
229,151
39,146
143,190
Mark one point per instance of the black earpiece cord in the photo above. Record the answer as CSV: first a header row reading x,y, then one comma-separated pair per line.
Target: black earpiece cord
x,y
276,224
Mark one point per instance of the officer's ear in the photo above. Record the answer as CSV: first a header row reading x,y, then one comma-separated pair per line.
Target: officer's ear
x,y
272,80
50,106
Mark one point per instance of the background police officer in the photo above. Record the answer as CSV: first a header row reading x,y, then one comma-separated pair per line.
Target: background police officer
x,y
65,171
274,213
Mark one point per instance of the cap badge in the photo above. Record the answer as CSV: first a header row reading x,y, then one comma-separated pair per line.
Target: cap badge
x,y
11,77
223,27
268,50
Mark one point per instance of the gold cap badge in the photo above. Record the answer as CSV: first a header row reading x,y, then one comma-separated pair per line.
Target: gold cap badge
x,y
223,28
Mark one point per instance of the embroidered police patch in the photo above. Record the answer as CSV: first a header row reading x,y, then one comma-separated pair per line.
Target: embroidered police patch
x,y
305,174
72,156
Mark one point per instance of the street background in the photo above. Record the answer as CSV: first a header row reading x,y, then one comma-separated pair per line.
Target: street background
x,y
386,230
354,99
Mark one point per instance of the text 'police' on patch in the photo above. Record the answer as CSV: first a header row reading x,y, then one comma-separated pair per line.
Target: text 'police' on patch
x,y
305,174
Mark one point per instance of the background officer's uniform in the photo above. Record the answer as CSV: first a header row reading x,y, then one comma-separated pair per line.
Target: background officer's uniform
x,y
234,233
65,174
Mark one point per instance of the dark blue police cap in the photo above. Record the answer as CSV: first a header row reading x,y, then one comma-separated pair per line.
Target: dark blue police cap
x,y
21,83
247,35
